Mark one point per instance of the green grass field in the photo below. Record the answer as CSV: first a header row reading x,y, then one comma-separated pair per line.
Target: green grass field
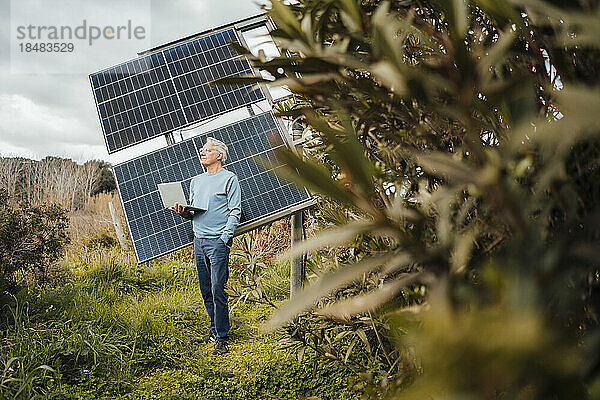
x,y
106,328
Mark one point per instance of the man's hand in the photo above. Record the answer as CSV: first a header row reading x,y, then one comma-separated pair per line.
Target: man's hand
x,y
181,210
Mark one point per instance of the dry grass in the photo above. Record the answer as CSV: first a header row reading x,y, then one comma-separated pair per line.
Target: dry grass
x,y
268,240
94,217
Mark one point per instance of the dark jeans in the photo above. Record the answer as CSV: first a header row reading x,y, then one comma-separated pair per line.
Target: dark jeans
x,y
212,264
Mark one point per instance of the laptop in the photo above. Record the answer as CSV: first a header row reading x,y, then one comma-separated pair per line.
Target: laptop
x,y
171,193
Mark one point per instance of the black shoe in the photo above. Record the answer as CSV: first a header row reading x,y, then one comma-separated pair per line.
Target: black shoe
x,y
206,338
220,348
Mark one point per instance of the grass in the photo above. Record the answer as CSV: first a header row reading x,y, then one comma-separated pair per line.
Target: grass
x,y
113,329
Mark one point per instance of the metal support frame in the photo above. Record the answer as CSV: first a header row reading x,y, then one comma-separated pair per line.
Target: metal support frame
x,y
118,226
297,265
297,262
170,138
241,25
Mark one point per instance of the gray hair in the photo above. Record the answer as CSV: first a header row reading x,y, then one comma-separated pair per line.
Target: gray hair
x,y
219,146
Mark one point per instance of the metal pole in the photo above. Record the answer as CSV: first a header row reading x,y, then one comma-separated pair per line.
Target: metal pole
x,y
118,227
297,263
170,138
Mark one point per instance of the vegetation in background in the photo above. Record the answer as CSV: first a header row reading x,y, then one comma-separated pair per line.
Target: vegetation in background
x,y
31,238
55,180
460,139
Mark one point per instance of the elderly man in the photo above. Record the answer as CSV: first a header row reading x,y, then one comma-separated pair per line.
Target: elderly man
x,y
217,192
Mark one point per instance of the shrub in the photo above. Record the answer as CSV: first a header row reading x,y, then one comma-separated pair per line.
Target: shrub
x,y
463,136
31,238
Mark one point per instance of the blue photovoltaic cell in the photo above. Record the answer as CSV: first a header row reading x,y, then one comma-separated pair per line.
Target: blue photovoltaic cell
x,y
167,90
252,142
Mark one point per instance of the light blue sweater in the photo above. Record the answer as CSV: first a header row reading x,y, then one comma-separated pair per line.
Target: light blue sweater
x,y
220,195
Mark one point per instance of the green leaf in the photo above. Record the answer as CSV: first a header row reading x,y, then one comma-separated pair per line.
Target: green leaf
x,y
461,254
386,43
461,17
307,297
310,174
371,301
285,19
341,335
580,106
300,353
363,336
331,237
347,151
238,48
349,350
441,164
351,14
387,73
304,80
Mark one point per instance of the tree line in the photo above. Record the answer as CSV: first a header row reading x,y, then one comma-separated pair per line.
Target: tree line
x,y
55,180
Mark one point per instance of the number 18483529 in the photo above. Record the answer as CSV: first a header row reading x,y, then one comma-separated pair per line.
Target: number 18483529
x,y
43,47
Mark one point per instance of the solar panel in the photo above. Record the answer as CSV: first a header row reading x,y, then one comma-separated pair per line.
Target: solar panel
x,y
167,90
252,142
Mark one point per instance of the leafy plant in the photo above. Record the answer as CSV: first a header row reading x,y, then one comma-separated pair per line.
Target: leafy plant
x,y
23,376
19,383
254,275
31,237
464,135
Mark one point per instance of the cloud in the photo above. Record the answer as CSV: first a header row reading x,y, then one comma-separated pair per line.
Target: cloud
x,y
55,114
180,18
41,130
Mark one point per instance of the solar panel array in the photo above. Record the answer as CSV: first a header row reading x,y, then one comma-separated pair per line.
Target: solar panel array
x,y
167,90
252,142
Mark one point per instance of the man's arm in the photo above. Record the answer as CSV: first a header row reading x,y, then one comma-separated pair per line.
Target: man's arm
x,y
234,204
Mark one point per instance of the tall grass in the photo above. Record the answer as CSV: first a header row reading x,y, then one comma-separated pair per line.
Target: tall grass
x,y
23,375
109,311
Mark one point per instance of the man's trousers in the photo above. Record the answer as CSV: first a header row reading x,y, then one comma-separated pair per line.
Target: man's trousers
x,y
212,264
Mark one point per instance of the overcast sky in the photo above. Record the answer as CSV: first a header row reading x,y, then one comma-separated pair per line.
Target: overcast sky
x,y
45,114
